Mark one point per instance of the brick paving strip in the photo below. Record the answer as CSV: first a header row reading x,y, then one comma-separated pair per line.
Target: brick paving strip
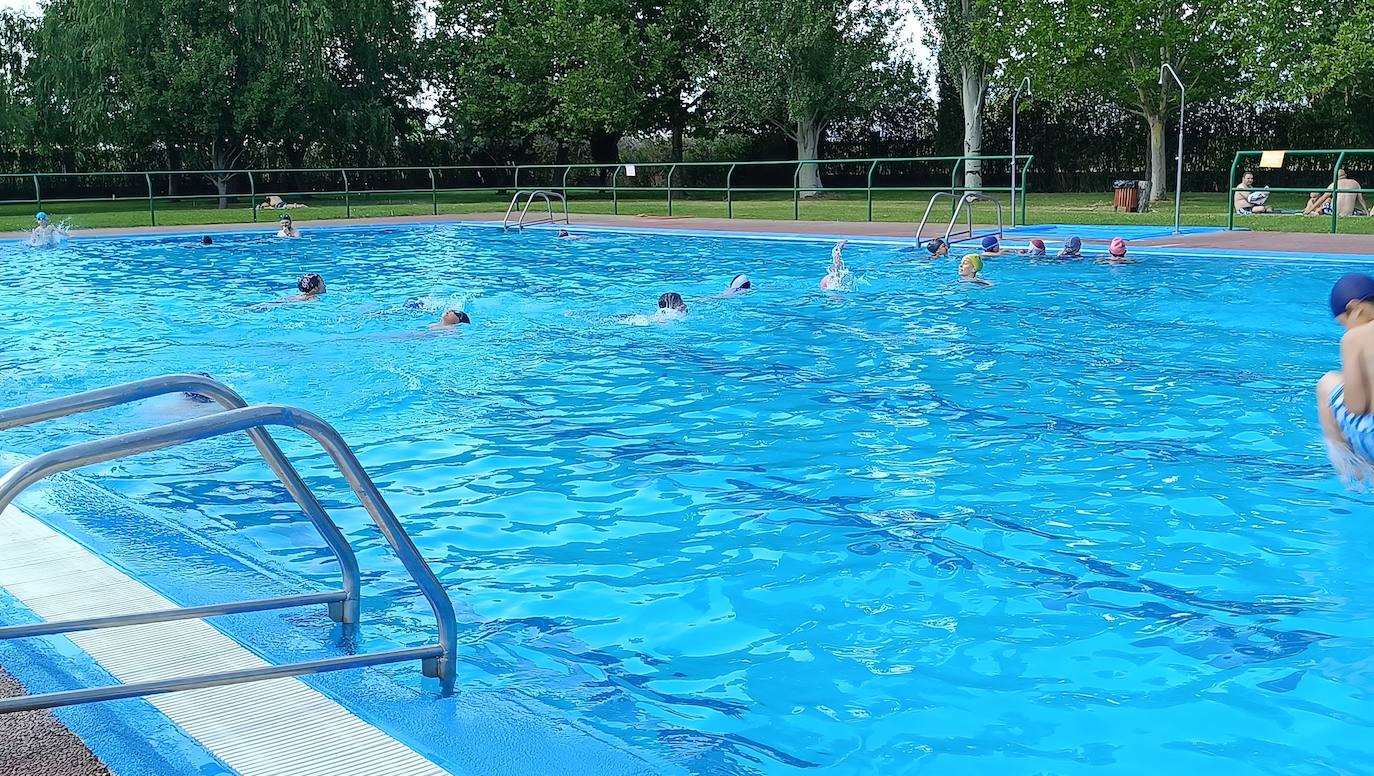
x,y
34,743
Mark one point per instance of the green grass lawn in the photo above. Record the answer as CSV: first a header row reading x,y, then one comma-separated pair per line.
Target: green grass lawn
x,y
900,207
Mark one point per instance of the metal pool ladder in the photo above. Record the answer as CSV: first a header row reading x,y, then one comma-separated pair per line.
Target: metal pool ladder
x,y
437,659
530,196
961,205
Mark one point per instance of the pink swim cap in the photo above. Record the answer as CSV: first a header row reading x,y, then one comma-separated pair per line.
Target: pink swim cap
x,y
1118,247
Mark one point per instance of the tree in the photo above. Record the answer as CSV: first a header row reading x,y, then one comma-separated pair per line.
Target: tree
x,y
206,81
511,73
952,25
797,64
16,108
1113,49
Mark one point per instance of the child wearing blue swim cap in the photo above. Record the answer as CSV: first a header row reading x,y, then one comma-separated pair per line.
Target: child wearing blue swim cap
x,y
1073,249
993,247
1345,399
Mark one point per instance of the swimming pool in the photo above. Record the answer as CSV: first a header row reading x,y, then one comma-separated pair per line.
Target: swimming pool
x,y
1078,520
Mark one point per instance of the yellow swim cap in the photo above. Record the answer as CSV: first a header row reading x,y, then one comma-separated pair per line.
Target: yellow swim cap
x,y
976,261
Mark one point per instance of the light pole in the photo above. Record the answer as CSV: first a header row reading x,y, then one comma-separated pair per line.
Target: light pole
x,y
1182,102
1015,98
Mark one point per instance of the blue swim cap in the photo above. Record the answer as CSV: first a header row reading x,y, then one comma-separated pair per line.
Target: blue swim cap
x,y
989,243
40,216
1354,287
1073,244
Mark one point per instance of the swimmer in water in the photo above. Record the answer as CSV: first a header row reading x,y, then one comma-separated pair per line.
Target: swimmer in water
x,y
206,240
992,247
1345,399
1116,252
1037,248
288,227
1072,249
450,319
564,234
938,248
311,286
839,278
670,305
45,233
738,285
969,267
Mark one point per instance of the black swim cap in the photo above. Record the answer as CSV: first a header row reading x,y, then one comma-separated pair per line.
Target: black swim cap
x,y
309,282
463,317
672,299
206,240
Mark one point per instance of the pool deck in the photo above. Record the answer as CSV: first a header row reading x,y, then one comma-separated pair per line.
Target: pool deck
x,y
1195,238
34,743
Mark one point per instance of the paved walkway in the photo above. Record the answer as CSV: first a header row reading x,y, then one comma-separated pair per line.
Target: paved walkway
x,y
1284,242
34,743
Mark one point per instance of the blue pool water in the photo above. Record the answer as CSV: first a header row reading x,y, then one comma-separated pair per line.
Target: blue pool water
x,y
1079,520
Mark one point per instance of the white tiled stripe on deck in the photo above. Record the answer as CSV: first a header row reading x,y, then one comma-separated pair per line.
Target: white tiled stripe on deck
x,y
277,727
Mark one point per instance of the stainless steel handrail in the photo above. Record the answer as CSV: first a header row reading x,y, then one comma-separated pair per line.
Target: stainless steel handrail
x,y
438,660
966,200
530,195
345,610
926,218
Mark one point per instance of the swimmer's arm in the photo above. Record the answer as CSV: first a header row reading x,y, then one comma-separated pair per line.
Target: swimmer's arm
x,y
1356,379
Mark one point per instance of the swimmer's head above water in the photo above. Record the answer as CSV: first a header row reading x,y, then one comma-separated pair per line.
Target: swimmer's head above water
x,y
1352,300
1117,247
991,244
1071,247
672,301
454,317
41,218
207,240
970,265
310,284
937,247
740,283
1037,247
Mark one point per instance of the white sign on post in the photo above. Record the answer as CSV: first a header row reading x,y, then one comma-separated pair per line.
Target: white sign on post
x,y
629,171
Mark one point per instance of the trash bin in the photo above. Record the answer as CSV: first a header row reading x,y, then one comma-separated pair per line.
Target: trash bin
x,y
1127,196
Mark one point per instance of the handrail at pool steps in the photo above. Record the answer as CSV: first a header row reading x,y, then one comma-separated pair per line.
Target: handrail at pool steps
x,y
349,183
438,659
1340,154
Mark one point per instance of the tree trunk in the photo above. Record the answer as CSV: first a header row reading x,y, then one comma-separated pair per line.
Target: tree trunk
x,y
222,188
809,131
173,163
677,140
1158,166
972,85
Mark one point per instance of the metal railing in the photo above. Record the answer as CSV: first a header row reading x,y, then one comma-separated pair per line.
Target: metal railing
x,y
1340,154
530,196
964,205
344,182
438,659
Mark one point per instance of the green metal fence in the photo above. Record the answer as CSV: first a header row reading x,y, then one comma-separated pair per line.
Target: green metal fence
x,y
1340,155
619,181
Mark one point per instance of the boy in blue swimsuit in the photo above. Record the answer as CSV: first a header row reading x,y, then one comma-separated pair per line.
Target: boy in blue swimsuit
x,y
1344,400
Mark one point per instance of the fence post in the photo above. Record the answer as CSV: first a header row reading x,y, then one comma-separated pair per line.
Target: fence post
x,y
37,193
954,182
871,167
348,206
796,192
615,193
433,190
152,209
729,199
1231,193
671,169
1335,179
253,195
1025,169
515,183
564,189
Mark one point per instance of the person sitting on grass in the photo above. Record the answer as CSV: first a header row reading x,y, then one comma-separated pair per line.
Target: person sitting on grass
x,y
310,286
1248,200
1319,203
288,227
1345,399
969,267
450,319
277,203
1073,249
